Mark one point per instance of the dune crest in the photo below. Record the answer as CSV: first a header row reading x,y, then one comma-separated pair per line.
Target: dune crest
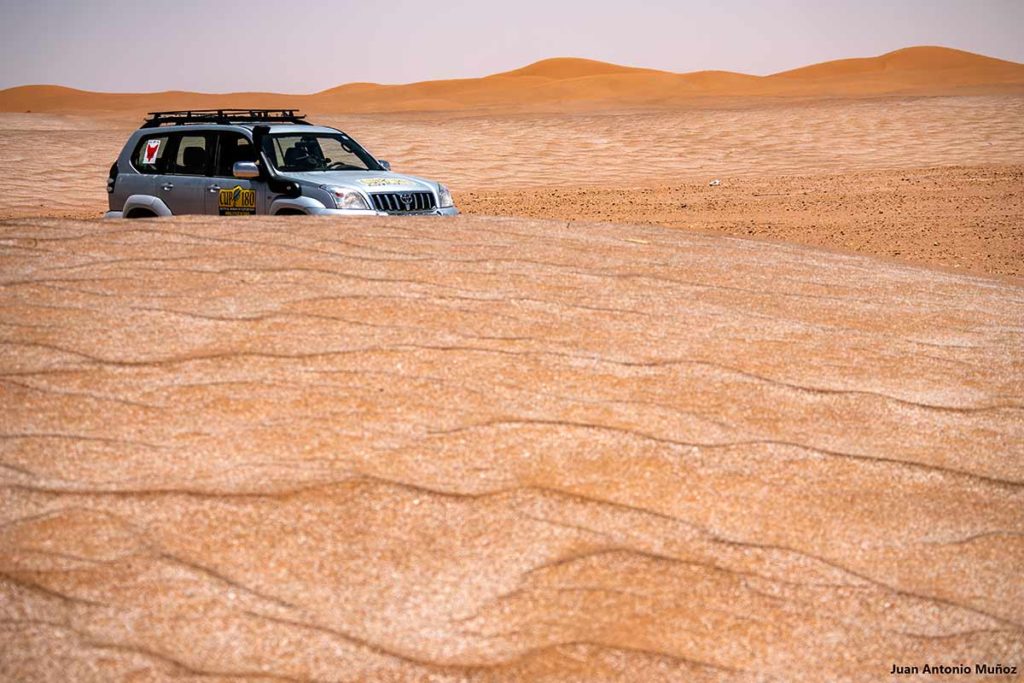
x,y
581,84
923,57
574,67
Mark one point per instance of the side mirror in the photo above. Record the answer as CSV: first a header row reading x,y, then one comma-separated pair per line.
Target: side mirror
x,y
245,169
386,165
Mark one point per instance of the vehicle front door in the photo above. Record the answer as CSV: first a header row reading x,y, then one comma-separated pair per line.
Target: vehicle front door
x,y
183,187
225,194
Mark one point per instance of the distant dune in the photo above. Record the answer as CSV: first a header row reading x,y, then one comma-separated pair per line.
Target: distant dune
x,y
582,84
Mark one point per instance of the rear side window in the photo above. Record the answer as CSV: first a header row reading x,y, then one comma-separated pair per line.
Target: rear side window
x,y
234,147
151,155
192,156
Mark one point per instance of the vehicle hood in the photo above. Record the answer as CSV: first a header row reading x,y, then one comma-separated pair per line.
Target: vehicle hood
x,y
367,181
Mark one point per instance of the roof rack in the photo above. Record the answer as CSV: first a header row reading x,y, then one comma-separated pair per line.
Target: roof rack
x,y
176,118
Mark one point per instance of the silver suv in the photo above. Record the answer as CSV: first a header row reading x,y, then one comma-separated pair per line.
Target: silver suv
x,y
258,161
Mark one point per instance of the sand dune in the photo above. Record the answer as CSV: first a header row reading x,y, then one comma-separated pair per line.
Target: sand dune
x,y
569,67
508,450
578,84
906,70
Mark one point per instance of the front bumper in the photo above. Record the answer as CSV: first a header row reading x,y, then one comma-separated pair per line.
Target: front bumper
x,y
450,211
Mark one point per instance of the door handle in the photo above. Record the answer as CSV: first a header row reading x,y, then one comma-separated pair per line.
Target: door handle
x,y
214,188
168,186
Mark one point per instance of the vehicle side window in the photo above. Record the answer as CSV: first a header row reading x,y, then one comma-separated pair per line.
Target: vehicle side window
x,y
193,155
283,149
151,155
234,147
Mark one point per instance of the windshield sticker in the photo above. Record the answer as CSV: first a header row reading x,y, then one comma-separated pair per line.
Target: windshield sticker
x,y
149,156
380,182
237,201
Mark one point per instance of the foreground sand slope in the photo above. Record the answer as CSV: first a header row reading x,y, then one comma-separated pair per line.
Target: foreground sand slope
x,y
569,84
499,449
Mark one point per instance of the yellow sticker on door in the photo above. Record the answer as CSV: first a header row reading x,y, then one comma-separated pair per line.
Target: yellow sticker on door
x,y
237,201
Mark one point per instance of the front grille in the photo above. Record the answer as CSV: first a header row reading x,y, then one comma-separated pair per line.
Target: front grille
x,y
400,202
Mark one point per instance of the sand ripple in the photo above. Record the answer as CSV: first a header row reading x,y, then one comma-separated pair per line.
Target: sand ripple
x,y
59,163
642,148
505,450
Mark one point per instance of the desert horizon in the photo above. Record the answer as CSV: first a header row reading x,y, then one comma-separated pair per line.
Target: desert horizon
x,y
717,377
584,84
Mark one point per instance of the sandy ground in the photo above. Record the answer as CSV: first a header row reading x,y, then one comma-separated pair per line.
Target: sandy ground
x,y
499,449
969,218
870,176
511,449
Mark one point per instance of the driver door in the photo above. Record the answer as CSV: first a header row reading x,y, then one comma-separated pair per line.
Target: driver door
x,y
225,194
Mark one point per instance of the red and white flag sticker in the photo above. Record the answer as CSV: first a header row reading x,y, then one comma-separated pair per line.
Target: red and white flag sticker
x,y
152,147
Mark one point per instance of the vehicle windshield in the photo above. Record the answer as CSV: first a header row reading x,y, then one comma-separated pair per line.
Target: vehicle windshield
x,y
304,152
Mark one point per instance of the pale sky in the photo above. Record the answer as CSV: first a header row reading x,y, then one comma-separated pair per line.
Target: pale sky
x,y
307,46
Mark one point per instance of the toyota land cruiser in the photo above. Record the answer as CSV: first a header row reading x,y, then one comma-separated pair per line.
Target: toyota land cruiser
x,y
258,161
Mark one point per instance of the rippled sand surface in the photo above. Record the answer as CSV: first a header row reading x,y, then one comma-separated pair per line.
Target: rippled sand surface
x,y
499,450
640,148
928,180
58,164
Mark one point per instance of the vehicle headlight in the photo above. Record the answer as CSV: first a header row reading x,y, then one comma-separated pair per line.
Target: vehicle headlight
x,y
345,198
444,197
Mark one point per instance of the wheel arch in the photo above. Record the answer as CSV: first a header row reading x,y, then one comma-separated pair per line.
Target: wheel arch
x,y
285,206
141,204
